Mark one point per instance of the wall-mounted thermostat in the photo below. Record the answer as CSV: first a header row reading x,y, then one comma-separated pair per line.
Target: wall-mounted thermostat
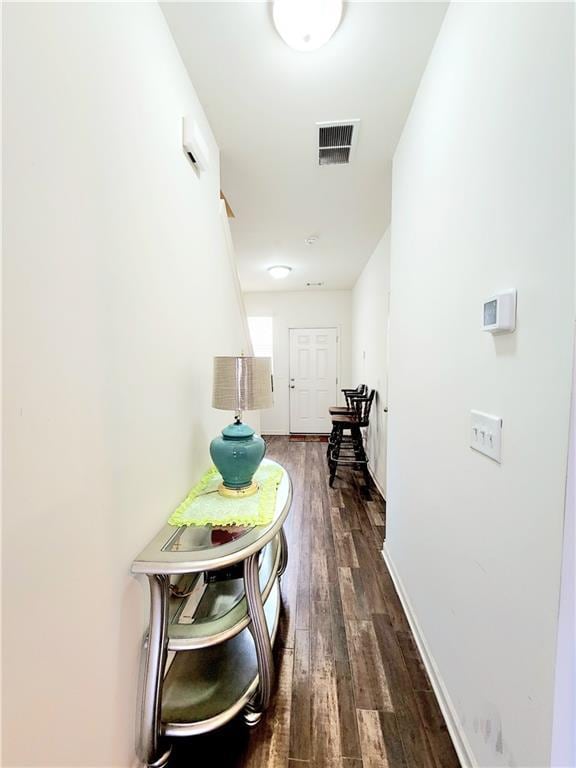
x,y
499,313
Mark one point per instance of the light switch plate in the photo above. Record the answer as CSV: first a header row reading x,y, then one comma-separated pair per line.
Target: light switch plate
x,y
486,434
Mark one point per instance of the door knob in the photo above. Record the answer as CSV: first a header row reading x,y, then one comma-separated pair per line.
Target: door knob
x,y
291,386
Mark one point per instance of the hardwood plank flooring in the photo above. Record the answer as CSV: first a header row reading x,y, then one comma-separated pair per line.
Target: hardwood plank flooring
x,y
352,691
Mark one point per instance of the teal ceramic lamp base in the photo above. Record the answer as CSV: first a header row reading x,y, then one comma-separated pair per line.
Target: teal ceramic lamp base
x,y
237,454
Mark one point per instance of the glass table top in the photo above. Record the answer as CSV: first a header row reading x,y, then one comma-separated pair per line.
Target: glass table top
x,y
193,538
192,548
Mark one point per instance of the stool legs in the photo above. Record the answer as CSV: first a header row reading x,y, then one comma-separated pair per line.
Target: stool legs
x,y
354,454
334,451
361,454
331,441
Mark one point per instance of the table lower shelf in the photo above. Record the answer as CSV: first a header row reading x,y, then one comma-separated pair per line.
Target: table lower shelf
x,y
207,687
223,611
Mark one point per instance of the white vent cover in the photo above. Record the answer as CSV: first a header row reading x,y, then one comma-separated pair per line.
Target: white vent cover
x,y
194,145
336,141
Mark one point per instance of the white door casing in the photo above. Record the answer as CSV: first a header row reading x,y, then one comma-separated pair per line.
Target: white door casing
x,y
313,378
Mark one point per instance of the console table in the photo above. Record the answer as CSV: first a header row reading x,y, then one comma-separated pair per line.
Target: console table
x,y
214,609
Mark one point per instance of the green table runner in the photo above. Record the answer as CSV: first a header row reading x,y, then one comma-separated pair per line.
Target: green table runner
x,y
205,506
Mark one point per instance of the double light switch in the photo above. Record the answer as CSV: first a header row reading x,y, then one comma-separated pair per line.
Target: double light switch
x,y
486,434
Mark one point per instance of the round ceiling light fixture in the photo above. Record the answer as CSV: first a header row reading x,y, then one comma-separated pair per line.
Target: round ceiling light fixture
x,y
306,25
279,272
311,240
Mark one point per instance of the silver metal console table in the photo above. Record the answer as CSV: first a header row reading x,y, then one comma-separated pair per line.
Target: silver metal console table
x,y
214,608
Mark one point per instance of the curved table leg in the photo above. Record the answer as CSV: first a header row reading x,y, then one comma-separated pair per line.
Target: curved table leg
x,y
155,661
283,553
259,630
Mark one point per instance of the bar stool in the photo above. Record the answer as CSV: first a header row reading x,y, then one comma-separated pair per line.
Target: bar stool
x,y
346,442
345,410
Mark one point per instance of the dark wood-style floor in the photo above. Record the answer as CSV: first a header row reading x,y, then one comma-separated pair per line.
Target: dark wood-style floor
x,y
351,691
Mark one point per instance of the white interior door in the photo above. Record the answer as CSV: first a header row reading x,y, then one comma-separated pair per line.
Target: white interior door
x,y
313,378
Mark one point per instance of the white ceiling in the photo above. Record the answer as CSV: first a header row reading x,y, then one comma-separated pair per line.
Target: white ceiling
x,y
263,100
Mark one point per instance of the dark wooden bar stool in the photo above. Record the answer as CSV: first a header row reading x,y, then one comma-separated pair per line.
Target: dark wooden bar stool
x,y
345,410
346,442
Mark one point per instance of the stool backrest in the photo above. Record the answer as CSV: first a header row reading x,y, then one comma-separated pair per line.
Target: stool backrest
x,y
350,394
363,405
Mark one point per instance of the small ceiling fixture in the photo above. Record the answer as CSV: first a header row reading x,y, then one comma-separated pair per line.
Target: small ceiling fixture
x,y
311,240
279,272
306,25
315,285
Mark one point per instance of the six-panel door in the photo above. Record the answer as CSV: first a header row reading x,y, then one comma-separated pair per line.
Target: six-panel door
x,y
313,378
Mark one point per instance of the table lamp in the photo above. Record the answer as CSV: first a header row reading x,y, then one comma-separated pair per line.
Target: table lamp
x,y
240,384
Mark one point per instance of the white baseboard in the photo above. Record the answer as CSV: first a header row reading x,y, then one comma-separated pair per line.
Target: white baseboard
x,y
280,432
376,483
459,738
283,433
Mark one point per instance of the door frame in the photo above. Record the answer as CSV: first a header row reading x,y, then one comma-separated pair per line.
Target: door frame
x,y
334,326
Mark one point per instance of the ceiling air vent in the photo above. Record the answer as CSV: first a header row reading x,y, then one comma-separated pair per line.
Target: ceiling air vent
x,y
336,142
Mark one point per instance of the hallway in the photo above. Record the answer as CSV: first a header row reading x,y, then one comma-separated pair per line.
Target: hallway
x,y
351,687
379,197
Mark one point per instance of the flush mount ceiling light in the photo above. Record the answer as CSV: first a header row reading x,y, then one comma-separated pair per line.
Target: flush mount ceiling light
x,y
306,25
278,273
311,240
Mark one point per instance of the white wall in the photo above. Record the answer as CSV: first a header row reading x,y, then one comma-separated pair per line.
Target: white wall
x,y
117,293
483,201
563,731
300,309
370,306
